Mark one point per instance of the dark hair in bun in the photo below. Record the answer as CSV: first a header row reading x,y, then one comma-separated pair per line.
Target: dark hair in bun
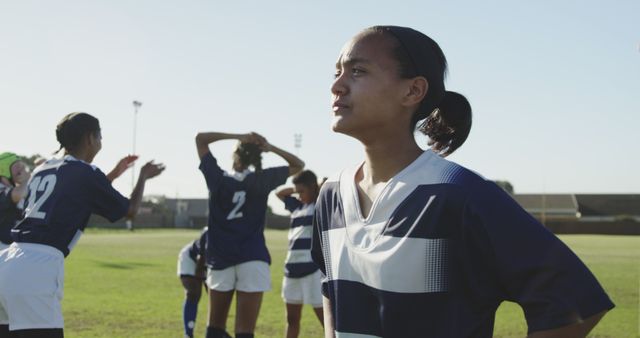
x,y
446,114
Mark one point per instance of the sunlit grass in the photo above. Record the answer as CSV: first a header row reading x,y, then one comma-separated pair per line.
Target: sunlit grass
x,y
124,284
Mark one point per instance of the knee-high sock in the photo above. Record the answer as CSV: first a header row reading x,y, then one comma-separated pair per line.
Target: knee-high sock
x,y
189,313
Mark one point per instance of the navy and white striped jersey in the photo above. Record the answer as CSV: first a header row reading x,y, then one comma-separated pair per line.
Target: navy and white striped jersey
x,y
298,262
199,245
10,213
237,211
63,193
440,250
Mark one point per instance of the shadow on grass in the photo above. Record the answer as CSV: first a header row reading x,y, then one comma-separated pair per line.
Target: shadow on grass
x,y
123,266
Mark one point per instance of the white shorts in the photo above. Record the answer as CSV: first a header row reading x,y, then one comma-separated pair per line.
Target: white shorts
x,y
252,276
32,279
303,290
186,265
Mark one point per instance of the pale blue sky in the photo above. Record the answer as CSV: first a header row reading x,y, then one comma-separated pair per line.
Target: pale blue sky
x,y
554,85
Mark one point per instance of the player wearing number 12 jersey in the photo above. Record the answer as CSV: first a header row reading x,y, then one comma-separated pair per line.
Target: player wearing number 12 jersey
x,y
62,194
236,251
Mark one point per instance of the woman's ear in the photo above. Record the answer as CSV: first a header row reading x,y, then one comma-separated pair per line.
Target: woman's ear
x,y
416,90
89,139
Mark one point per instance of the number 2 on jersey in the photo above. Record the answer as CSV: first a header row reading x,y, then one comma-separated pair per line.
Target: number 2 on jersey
x,y
238,200
39,183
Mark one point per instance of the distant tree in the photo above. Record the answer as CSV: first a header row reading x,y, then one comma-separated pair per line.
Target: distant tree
x,y
506,186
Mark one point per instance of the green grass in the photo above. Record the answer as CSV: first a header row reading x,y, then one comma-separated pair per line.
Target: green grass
x,y
122,284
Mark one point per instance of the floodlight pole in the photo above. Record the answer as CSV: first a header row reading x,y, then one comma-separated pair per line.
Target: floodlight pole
x,y
136,106
297,143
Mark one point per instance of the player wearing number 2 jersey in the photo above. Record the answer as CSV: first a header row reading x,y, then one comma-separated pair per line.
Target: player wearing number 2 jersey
x,y
62,194
236,253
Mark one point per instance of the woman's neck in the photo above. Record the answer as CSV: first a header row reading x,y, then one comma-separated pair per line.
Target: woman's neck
x,y
80,155
385,158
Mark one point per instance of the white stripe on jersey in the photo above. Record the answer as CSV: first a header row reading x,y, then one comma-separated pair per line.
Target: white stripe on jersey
x,y
305,210
75,240
304,231
361,250
298,256
427,169
392,255
238,176
300,232
57,162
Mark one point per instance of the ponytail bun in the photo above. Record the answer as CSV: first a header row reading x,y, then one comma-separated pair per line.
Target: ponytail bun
x,y
61,136
449,124
250,154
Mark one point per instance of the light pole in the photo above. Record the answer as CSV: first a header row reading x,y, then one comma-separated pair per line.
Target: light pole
x,y
136,106
297,143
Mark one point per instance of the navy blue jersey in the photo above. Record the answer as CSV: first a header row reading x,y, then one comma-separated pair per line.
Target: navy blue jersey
x,y
298,262
63,193
237,210
199,245
10,213
440,250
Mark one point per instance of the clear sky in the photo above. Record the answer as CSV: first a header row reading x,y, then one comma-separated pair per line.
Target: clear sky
x,y
554,85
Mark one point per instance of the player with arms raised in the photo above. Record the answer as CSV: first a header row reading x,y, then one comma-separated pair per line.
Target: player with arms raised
x,y
63,193
236,251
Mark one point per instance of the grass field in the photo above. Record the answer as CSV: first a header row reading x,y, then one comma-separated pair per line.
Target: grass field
x,y
123,284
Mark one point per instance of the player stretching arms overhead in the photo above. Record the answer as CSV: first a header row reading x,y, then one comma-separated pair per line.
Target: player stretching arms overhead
x,y
236,251
301,282
413,245
63,193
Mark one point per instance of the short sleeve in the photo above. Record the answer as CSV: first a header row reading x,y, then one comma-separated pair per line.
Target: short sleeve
x,y
319,223
291,203
271,178
211,171
534,268
106,201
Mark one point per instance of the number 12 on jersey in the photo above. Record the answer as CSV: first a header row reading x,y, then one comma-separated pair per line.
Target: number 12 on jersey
x,y
34,203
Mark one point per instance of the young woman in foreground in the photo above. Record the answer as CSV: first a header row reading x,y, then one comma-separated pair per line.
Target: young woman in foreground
x,y
413,245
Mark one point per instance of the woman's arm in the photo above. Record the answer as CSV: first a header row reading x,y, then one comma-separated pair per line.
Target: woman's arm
x,y
19,192
148,171
328,318
20,189
201,267
122,166
285,192
577,330
204,139
295,164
